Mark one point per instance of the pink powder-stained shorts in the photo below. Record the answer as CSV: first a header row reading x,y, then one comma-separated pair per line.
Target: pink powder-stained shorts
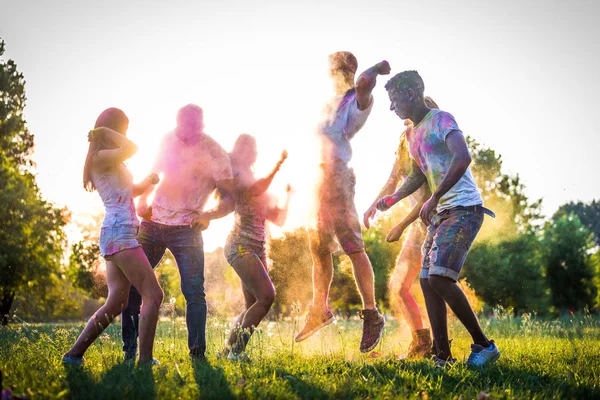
x,y
118,238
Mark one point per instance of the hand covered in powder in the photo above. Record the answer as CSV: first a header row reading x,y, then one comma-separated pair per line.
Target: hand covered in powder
x,y
284,155
395,233
200,223
144,210
383,68
94,134
153,178
369,214
386,202
428,210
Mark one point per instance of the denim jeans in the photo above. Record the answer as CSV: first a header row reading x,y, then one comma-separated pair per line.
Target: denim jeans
x,y
188,249
449,239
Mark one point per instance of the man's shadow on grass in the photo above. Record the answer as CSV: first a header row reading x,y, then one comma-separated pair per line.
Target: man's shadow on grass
x,y
302,387
211,381
124,380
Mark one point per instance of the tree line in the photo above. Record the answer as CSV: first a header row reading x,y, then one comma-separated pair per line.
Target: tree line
x,y
521,260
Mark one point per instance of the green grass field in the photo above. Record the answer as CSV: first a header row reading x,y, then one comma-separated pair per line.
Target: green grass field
x,y
552,359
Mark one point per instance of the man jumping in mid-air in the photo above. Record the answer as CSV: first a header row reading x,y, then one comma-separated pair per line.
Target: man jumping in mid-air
x,y
342,118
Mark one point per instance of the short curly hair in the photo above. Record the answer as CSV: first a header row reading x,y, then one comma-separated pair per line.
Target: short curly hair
x,y
406,80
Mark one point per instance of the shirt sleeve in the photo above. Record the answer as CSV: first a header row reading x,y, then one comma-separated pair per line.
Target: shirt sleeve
x,y
356,117
445,124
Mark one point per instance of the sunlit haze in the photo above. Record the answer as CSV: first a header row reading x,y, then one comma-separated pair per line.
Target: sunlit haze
x,y
519,76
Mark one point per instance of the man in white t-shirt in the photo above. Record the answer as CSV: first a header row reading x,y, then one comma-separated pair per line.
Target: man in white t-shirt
x,y
192,165
342,118
453,213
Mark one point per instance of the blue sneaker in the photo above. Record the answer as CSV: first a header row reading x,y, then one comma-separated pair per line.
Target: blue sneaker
x,y
72,360
481,356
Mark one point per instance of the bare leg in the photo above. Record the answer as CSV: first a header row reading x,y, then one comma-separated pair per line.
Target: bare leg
x,y
137,269
407,269
249,300
456,299
118,292
363,275
256,280
322,277
438,318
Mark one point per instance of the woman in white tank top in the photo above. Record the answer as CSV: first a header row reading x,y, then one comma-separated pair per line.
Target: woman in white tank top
x,y
126,263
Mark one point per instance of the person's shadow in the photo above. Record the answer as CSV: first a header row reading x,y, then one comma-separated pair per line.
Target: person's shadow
x,y
123,380
211,381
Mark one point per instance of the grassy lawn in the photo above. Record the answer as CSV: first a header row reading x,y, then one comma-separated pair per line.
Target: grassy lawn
x,y
552,359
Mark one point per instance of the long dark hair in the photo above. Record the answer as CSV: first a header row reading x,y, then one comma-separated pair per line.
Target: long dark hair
x,y
112,118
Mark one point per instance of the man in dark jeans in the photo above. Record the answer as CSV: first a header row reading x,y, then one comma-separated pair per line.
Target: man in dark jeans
x,y
192,165
453,213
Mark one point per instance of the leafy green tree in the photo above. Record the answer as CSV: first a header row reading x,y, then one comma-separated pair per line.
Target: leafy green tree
x,y
569,263
15,138
32,236
589,215
508,274
504,194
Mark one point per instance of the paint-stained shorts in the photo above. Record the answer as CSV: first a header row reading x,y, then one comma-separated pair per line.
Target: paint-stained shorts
x,y
336,214
237,246
117,238
449,238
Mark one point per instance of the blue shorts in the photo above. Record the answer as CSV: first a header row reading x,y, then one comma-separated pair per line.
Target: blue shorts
x,y
114,239
449,238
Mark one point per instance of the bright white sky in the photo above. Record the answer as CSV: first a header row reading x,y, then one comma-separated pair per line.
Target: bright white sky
x,y
519,76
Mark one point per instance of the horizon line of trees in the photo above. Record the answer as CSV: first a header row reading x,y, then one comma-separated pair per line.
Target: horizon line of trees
x,y
520,261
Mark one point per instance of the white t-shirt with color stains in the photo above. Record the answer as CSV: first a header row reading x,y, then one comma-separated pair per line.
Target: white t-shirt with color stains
x,y
427,146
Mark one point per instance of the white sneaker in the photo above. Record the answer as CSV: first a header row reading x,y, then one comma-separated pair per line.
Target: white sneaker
x,y
481,356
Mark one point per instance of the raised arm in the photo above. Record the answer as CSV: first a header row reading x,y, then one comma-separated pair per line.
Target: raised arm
x,y
366,83
108,157
413,181
278,215
262,185
461,159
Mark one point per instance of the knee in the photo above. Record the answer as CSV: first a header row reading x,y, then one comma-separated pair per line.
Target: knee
x,y
267,299
154,296
404,290
114,306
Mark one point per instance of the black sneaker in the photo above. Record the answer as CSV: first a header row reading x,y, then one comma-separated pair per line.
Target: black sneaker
x,y
441,363
197,354
373,323
315,320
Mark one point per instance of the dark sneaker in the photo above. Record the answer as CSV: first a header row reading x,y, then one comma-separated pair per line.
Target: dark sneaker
x,y
73,360
373,323
315,320
433,351
481,356
197,354
420,345
441,363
